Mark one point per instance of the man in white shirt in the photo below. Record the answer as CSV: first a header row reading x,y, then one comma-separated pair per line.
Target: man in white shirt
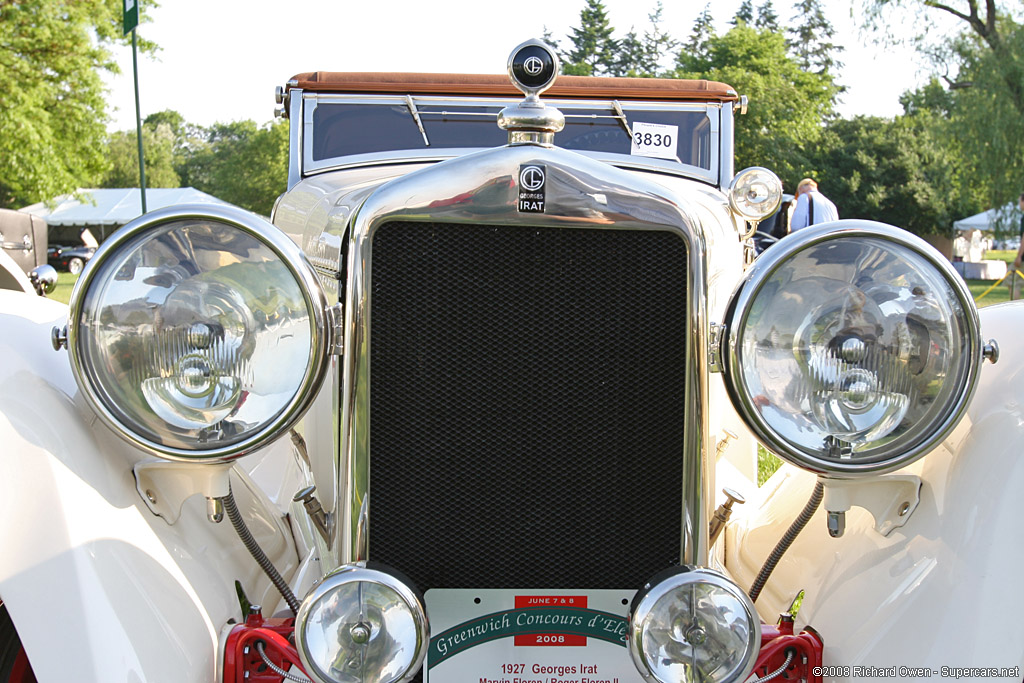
x,y
812,207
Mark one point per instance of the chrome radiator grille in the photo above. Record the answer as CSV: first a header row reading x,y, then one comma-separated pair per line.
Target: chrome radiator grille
x,y
527,399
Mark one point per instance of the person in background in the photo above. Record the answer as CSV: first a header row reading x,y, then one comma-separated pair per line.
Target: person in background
x,y
1020,249
812,207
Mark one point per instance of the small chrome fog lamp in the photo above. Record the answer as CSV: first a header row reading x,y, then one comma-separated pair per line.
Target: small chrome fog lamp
x,y
198,333
362,625
853,348
755,193
693,625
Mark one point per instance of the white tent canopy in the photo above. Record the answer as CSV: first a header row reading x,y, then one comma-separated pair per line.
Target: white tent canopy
x,y
1005,217
113,207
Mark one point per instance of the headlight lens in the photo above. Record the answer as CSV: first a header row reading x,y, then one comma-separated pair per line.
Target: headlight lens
x,y
362,625
755,193
198,334
853,349
694,625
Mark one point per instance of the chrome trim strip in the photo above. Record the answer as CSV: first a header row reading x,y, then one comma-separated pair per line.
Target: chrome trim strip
x,y
295,170
599,197
290,255
727,144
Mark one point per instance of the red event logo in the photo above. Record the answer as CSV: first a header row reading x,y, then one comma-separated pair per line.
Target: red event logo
x,y
550,639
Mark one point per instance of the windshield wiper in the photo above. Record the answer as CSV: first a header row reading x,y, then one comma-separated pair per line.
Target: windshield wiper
x,y
416,116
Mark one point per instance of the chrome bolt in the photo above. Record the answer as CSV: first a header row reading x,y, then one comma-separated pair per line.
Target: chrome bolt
x,y
360,634
991,351
904,509
151,496
215,510
59,338
696,635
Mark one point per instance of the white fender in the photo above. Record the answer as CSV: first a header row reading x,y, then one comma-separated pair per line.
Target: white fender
x,y
945,589
97,585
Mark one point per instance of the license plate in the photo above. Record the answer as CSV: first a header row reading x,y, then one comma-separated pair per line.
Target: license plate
x,y
528,636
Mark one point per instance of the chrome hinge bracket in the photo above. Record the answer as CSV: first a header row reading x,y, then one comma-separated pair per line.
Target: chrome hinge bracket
x,y
891,499
716,338
336,329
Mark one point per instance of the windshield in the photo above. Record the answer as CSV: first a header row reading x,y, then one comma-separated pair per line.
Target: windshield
x,y
343,126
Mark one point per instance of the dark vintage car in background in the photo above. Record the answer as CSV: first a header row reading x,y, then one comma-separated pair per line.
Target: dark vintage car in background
x,y
71,259
481,404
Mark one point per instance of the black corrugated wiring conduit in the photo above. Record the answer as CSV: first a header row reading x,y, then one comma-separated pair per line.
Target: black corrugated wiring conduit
x,y
257,553
787,540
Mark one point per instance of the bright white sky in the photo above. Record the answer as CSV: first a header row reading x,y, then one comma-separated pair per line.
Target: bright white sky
x,y
221,59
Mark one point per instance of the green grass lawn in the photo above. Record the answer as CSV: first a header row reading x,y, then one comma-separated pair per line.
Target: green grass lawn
x,y
65,283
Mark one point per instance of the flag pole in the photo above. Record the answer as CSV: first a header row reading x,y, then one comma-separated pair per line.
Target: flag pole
x,y
138,121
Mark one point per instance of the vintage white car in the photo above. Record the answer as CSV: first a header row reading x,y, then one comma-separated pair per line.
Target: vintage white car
x,y
467,403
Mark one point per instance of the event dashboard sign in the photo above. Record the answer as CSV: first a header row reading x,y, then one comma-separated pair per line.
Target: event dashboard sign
x,y
528,636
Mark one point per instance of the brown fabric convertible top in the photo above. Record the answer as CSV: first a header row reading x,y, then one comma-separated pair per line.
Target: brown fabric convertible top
x,y
583,87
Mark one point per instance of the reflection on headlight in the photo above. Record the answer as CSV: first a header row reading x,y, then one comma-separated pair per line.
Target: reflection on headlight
x,y
362,625
852,349
194,335
693,625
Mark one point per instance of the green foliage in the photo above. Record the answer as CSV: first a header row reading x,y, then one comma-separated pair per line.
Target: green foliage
x,y
158,149
696,48
593,50
744,14
812,35
982,63
53,112
766,17
787,104
241,163
931,98
895,171
642,56
987,119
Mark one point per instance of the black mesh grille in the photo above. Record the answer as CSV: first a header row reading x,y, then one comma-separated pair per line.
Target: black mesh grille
x,y
526,404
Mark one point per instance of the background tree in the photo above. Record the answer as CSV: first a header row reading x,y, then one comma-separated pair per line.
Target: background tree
x,y
787,104
643,56
811,38
593,51
896,171
981,60
744,14
696,48
241,163
767,19
53,113
123,155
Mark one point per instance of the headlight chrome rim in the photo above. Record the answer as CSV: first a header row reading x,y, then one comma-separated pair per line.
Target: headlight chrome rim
x,y
671,581
760,273
356,573
268,236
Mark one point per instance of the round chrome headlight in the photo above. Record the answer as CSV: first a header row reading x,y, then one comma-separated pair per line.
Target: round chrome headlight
x,y
853,348
198,333
693,625
755,193
362,625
